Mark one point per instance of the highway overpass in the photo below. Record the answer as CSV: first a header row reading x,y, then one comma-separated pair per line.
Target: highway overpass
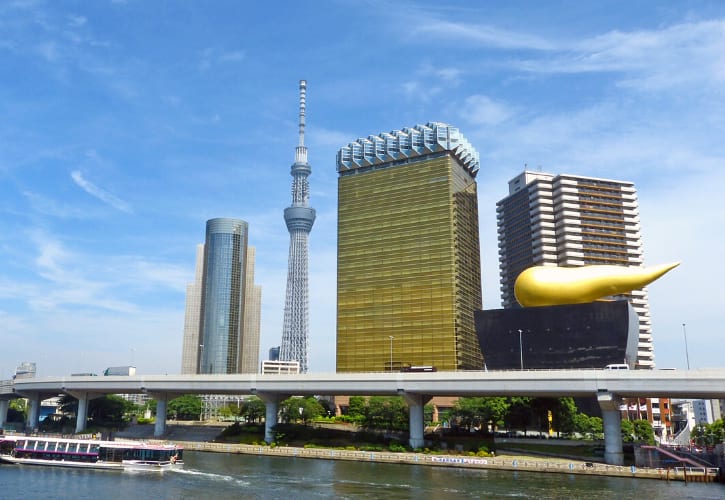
x,y
608,386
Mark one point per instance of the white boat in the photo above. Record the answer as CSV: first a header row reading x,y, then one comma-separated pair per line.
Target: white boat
x,y
89,453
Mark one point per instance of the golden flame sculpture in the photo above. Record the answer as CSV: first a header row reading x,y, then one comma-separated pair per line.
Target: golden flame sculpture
x,y
553,286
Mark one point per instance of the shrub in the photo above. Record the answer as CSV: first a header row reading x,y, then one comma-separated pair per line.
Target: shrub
x,y
397,448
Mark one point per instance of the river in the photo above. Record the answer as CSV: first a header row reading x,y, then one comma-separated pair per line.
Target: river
x,y
220,476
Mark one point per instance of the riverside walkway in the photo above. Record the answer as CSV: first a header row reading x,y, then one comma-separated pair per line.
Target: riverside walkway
x,y
505,462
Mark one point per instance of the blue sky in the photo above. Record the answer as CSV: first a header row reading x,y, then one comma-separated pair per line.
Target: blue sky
x,y
125,125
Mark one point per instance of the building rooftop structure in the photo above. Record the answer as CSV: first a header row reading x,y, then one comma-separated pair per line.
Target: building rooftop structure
x,y
410,142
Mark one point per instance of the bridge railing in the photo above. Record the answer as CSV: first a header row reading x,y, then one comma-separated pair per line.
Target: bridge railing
x,y
6,387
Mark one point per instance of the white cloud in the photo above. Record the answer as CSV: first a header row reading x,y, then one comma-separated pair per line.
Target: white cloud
x,y
482,110
651,59
76,21
100,193
47,206
211,56
481,35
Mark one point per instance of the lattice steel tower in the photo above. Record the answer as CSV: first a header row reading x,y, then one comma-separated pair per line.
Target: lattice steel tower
x,y
299,218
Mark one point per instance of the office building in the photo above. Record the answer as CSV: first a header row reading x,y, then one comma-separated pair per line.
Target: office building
x,y
274,353
221,327
299,218
567,220
190,348
26,369
408,268
270,367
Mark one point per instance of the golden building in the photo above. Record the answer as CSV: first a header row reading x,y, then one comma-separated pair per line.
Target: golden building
x,y
408,270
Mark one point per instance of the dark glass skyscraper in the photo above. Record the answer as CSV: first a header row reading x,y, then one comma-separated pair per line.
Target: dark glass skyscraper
x,y
223,296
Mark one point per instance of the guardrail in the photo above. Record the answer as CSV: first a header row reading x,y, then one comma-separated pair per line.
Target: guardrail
x,y
6,387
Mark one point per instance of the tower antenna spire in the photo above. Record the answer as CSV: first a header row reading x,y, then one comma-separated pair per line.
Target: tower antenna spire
x,y
301,151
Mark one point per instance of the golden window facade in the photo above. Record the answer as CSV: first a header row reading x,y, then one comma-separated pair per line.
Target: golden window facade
x,y
408,267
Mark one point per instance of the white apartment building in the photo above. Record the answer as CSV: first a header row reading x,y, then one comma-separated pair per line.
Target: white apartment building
x,y
568,221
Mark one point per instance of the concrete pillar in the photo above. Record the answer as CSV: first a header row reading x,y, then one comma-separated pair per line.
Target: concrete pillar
x,y
33,411
612,422
161,405
4,406
271,406
82,415
416,403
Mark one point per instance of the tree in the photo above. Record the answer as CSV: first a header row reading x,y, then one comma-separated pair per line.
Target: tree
x,y
590,427
386,413
17,410
107,411
519,415
186,407
627,431
304,409
253,409
643,431
479,413
563,415
357,408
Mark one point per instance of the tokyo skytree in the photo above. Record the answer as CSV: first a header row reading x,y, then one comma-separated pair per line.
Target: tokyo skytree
x,y
299,218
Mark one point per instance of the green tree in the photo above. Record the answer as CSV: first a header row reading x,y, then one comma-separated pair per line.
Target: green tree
x,y
358,408
643,431
18,410
304,409
590,427
386,413
107,411
110,411
563,416
627,431
230,411
480,412
253,409
519,415
186,407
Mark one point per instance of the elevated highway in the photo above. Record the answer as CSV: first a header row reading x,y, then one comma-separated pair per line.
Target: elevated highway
x,y
608,386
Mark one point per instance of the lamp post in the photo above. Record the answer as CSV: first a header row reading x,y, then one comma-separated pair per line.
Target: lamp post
x,y
687,354
391,352
521,348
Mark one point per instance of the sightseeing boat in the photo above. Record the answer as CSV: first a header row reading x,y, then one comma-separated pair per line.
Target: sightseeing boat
x,y
89,453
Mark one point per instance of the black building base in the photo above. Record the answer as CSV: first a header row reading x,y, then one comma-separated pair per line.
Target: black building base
x,y
573,336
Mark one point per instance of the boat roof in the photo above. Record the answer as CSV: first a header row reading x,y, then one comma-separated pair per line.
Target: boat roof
x,y
106,444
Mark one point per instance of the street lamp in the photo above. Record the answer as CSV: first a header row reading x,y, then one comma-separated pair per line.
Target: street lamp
x,y
687,354
521,348
391,352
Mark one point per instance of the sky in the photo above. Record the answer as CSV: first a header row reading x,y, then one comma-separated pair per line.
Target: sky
x,y
126,125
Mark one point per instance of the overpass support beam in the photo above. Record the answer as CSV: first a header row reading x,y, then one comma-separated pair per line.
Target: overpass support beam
x,y
4,406
82,415
612,421
271,406
33,411
416,403
162,402
83,398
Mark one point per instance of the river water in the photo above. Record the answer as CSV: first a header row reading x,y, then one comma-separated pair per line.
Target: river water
x,y
220,476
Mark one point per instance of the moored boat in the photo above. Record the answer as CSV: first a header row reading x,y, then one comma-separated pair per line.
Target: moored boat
x,y
89,454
